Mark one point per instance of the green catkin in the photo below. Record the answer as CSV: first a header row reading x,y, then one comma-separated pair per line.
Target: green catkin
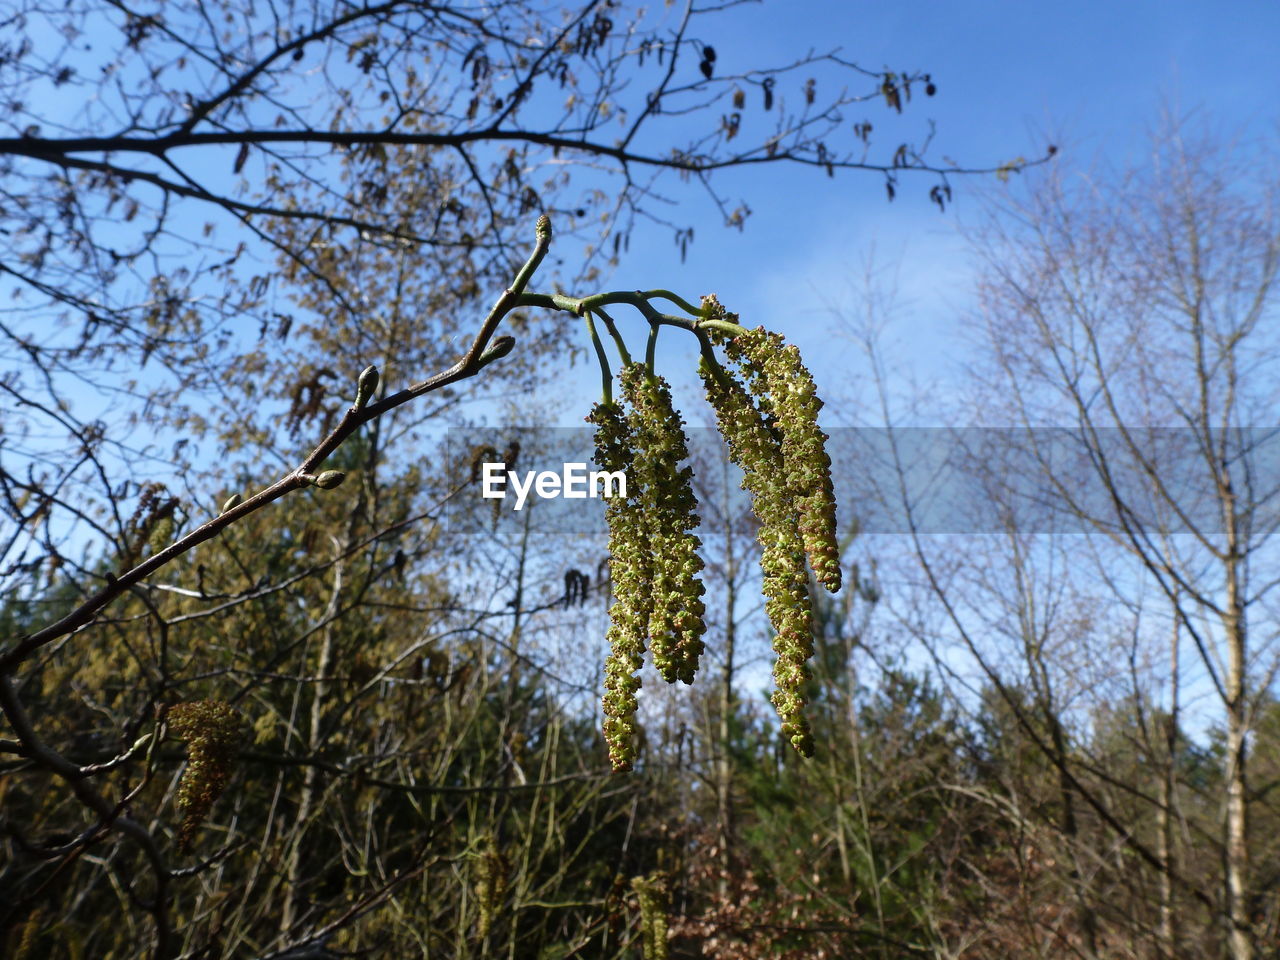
x,y
491,884
756,448
631,574
213,732
776,374
161,533
30,934
654,896
676,623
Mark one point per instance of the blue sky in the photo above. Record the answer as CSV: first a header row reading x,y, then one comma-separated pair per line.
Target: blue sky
x,y
1090,76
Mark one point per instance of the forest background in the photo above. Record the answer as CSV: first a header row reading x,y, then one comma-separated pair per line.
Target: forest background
x,y
327,720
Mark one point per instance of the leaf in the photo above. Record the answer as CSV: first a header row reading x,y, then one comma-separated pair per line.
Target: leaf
x,y
241,157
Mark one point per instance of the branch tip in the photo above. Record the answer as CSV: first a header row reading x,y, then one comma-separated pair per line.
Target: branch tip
x,y
500,348
329,479
365,386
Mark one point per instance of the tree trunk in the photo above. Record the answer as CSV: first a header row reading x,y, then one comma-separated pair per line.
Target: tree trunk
x,y
1168,921
1237,847
1240,936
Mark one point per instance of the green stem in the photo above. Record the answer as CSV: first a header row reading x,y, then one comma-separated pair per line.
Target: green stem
x,y
713,362
679,301
542,242
651,347
634,298
708,353
732,329
606,375
577,305
617,337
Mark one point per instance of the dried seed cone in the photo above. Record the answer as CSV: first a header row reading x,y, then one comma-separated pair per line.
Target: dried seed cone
x,y
670,509
777,375
213,731
630,571
756,448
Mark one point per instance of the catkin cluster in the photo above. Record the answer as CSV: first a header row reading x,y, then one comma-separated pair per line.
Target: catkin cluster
x,y
754,445
213,731
767,410
654,560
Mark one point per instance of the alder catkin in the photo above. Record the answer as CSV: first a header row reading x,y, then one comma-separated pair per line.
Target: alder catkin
x,y
213,732
758,450
654,896
776,374
676,623
631,576
491,883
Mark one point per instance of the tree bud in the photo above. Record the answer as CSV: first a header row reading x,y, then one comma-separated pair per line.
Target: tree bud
x,y
365,386
329,479
500,348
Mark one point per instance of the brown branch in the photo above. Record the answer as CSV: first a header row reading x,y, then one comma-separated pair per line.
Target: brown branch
x,y
478,356
56,150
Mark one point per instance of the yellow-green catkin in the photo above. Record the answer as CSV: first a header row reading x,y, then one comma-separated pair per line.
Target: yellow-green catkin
x,y
631,574
491,883
676,623
756,447
161,532
776,374
654,896
30,934
213,732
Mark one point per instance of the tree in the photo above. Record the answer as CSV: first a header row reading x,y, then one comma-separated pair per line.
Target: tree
x,y
1124,321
